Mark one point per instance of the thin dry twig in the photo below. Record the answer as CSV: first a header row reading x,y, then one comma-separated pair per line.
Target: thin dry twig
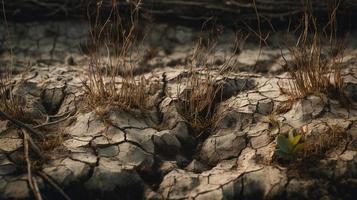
x,y
31,180
19,124
53,184
47,123
33,145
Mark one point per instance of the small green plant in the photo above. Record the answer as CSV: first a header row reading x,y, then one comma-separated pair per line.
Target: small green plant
x,y
289,146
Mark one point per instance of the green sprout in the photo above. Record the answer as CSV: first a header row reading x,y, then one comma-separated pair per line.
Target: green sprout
x,y
288,147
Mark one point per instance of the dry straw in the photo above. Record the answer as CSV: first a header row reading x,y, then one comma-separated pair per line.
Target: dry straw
x,y
111,80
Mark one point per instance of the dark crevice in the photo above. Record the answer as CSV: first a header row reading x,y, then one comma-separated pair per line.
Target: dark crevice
x,y
52,99
77,189
151,176
161,97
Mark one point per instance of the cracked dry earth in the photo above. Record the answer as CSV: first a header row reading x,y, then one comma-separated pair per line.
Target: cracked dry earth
x,y
154,156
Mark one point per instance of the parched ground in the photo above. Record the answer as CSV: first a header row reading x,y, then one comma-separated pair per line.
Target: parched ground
x,y
154,155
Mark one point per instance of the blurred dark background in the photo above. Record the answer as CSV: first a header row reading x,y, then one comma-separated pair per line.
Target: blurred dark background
x,y
273,14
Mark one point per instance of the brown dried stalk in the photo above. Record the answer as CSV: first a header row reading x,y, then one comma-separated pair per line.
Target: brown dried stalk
x,y
53,184
31,180
19,124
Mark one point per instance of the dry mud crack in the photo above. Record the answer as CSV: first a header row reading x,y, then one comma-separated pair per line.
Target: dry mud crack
x,y
126,156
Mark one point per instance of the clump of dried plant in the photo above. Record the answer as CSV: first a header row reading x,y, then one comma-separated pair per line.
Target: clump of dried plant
x,y
50,142
197,103
111,80
9,102
324,140
312,74
312,71
203,90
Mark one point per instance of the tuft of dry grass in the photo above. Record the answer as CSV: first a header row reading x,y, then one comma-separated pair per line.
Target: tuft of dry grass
x,y
9,102
312,72
111,80
324,141
50,142
198,101
128,94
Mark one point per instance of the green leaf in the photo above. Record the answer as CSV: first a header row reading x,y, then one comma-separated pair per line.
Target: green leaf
x,y
282,154
291,135
298,148
284,144
295,140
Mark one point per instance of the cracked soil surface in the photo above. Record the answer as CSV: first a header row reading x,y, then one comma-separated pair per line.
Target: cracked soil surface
x,y
132,155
